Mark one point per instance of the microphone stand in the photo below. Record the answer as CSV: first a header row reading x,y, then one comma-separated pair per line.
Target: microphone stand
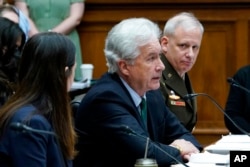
x,y
128,130
146,149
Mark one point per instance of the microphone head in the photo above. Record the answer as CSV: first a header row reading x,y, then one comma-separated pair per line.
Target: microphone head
x,y
127,129
186,97
189,96
230,80
16,126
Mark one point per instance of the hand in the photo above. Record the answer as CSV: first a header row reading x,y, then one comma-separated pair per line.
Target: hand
x,y
186,148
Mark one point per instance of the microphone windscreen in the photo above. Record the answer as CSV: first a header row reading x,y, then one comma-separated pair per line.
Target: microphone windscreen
x,y
189,96
186,97
127,129
16,126
230,80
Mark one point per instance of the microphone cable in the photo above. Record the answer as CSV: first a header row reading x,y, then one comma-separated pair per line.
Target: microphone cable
x,y
190,96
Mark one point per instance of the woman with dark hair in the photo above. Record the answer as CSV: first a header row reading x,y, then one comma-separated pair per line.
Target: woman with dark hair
x,y
12,40
41,102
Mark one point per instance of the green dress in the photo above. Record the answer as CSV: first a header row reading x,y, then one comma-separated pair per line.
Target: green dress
x,y
46,14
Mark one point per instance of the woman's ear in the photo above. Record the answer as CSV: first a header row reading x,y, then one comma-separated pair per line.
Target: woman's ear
x,y
66,68
67,72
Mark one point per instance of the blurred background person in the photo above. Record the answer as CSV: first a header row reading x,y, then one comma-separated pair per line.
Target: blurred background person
x,y
9,12
41,102
180,44
238,102
12,40
60,16
17,16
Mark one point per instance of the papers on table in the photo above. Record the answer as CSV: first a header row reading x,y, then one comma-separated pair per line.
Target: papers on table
x,y
211,158
207,159
230,143
234,139
199,165
218,154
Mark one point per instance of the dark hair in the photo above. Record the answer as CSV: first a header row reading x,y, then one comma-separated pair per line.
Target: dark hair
x,y
10,33
42,81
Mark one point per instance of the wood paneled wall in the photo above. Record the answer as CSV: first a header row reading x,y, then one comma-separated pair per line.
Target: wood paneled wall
x,y
224,47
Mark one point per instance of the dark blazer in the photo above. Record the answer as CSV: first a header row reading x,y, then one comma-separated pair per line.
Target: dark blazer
x,y
186,111
30,149
238,102
100,119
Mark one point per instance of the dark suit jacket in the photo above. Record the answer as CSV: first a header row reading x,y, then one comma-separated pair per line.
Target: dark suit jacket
x,y
184,110
30,149
105,109
238,102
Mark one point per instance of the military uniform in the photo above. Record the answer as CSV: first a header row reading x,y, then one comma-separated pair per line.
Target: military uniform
x,y
174,88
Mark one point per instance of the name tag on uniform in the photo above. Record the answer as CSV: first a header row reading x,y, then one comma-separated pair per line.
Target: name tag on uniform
x,y
177,103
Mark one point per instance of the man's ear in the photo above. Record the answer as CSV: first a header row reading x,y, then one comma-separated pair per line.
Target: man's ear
x,y
123,66
164,42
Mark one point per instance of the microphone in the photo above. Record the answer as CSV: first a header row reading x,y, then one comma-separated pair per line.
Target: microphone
x,y
190,96
129,131
236,84
17,126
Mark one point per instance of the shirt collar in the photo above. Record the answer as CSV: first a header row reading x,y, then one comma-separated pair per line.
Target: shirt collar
x,y
136,98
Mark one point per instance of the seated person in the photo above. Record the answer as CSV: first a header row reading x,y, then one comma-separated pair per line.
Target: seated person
x,y
132,52
180,47
238,102
41,102
12,40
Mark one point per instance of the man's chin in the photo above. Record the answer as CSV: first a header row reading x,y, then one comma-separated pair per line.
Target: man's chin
x,y
155,86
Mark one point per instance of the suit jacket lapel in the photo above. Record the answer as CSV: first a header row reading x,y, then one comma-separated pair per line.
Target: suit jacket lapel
x,y
128,98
